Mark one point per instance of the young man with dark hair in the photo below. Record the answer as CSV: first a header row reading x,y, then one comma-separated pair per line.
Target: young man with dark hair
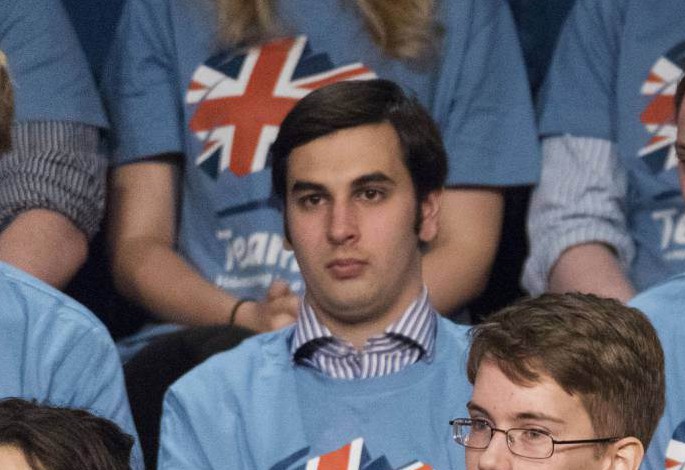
x,y
664,305
41,437
562,382
360,380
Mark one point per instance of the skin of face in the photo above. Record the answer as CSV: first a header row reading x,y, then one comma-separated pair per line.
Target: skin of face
x,y
12,458
543,405
351,208
680,148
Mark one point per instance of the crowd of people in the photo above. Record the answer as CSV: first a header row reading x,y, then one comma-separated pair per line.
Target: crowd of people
x,y
298,202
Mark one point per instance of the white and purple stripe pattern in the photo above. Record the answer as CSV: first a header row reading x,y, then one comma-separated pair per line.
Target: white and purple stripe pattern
x,y
403,343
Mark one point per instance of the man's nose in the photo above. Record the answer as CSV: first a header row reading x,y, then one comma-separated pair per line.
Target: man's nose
x,y
342,224
497,455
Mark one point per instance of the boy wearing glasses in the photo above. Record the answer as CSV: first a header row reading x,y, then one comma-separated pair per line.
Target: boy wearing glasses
x,y
369,371
562,382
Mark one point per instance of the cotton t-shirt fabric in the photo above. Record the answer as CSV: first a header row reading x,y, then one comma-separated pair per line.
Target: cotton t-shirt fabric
x,y
253,407
55,351
664,305
613,77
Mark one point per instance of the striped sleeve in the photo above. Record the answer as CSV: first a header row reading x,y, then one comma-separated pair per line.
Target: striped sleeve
x,y
54,165
580,199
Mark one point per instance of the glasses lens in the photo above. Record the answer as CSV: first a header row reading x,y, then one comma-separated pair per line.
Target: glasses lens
x,y
472,433
530,443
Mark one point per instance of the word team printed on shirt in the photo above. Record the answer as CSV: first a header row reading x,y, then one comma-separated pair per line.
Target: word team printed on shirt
x,y
242,100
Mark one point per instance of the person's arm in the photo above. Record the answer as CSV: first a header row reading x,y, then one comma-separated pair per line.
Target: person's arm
x,y
52,186
457,264
578,236
148,270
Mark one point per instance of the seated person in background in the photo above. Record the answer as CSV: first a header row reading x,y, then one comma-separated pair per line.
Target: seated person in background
x,y
196,92
364,372
55,351
607,217
562,382
52,181
40,437
664,304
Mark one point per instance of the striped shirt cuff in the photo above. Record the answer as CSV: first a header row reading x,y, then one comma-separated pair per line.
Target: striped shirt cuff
x,y
54,165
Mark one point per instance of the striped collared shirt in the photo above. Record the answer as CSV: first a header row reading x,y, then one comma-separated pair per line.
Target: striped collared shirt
x,y
403,343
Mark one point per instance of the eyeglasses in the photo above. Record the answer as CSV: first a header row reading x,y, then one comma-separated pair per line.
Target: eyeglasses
x,y
525,442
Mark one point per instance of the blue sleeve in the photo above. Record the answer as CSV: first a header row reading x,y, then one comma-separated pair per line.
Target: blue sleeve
x,y
50,76
86,373
578,96
490,133
139,84
189,439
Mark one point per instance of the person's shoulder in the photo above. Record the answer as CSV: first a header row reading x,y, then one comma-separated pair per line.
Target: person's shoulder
x,y
41,302
456,332
663,300
236,368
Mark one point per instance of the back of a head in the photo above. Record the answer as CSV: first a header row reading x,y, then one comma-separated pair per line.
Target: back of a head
x,y
63,439
599,349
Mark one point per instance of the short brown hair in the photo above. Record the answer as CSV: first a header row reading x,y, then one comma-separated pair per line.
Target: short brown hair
x,y
599,349
6,105
679,95
54,438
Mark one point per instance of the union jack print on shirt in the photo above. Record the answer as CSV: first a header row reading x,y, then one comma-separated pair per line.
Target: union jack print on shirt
x,y
241,100
659,115
353,456
675,453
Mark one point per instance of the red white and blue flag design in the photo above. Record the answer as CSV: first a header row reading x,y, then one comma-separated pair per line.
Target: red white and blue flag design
x,y
659,115
675,452
241,100
353,456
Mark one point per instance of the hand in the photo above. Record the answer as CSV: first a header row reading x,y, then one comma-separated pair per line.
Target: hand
x,y
278,310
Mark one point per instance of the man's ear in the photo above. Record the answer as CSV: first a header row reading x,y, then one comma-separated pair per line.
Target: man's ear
x,y
625,454
430,215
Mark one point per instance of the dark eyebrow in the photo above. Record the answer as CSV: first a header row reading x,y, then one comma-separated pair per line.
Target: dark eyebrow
x,y
376,177
301,186
519,417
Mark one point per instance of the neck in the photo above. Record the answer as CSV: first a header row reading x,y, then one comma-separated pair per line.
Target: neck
x,y
357,327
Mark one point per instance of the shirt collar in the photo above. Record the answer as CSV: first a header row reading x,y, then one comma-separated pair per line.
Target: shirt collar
x,y
416,325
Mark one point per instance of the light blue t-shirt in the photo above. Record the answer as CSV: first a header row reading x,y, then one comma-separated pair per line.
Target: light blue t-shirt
x,y
50,76
664,304
613,77
55,351
253,408
169,88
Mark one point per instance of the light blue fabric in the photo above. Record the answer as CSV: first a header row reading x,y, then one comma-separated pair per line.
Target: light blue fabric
x,y
165,66
664,304
55,351
51,79
251,408
613,77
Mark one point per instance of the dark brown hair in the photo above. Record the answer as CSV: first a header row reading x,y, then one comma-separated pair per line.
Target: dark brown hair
x,y
599,349
678,98
63,439
6,105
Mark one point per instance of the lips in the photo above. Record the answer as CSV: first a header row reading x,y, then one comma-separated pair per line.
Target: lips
x,y
346,268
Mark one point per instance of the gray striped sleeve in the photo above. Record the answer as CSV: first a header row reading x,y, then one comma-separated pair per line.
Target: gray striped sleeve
x,y
581,198
54,165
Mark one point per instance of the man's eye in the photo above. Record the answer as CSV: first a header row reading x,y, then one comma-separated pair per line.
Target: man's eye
x,y
371,194
531,435
311,200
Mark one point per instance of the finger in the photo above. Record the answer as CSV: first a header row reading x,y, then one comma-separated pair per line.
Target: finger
x,y
281,320
287,305
277,289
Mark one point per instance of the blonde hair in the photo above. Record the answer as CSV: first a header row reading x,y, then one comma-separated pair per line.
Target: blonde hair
x,y
6,105
402,29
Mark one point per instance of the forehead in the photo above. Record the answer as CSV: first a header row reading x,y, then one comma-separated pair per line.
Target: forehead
x,y
349,153
506,401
